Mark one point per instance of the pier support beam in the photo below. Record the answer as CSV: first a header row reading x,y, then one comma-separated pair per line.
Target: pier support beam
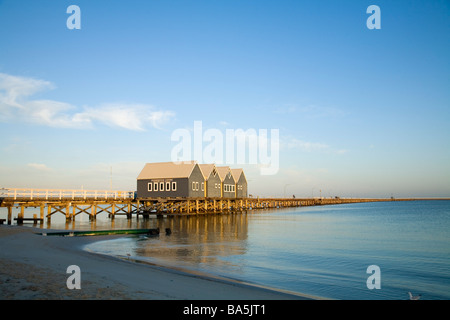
x,y
9,214
49,213
68,217
93,215
129,211
41,211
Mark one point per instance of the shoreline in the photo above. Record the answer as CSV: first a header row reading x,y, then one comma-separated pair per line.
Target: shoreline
x,y
34,267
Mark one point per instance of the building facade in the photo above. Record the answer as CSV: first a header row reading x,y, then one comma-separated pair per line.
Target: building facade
x,y
213,185
241,183
190,180
170,180
228,184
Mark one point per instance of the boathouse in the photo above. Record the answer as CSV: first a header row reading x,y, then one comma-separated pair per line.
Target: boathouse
x,y
213,183
228,184
241,183
171,180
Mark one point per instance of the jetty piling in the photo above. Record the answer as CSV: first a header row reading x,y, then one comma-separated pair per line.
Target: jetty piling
x,y
71,203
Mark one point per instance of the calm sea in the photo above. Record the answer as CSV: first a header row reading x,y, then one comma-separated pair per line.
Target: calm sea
x,y
323,251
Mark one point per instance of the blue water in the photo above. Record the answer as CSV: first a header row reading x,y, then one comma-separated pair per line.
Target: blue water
x,y
322,251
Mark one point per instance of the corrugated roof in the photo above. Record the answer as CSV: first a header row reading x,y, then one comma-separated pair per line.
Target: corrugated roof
x,y
206,169
237,173
223,171
165,170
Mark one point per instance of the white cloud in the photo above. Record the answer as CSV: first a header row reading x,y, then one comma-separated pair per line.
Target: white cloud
x,y
294,143
290,143
13,89
16,103
132,117
39,166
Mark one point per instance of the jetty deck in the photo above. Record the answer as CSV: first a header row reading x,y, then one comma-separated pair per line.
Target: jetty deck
x,y
72,203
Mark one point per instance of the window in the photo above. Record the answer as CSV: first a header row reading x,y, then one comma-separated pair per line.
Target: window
x,y
203,186
150,185
193,186
155,186
196,186
167,186
161,186
174,186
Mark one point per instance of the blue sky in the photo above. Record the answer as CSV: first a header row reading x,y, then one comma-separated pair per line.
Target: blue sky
x,y
361,113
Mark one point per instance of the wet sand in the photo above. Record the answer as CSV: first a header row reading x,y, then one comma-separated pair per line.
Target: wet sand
x,y
34,267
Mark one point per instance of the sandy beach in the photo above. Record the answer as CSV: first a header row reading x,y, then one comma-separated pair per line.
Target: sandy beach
x,y
34,267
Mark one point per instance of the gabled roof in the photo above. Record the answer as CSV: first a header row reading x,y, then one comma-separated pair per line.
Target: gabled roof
x,y
165,170
237,174
223,171
207,169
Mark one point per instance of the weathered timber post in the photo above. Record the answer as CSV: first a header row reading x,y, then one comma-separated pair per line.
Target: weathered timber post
x,y
9,214
41,209
93,215
138,203
49,213
21,214
129,211
68,212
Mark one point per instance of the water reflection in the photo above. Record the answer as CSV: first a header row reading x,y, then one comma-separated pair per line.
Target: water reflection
x,y
195,241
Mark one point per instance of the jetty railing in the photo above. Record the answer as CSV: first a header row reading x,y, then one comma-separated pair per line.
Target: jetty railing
x,y
49,194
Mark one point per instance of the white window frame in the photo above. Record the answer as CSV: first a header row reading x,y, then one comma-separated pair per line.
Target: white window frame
x,y
203,186
167,185
174,186
161,184
150,187
155,186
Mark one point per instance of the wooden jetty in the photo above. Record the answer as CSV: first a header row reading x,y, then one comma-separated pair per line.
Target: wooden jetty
x,y
150,232
72,203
